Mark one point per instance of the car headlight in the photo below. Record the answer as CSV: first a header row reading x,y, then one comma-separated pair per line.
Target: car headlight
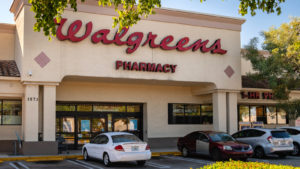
x,y
227,147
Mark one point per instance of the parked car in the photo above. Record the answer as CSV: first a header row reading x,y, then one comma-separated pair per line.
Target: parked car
x,y
117,147
218,145
266,141
295,134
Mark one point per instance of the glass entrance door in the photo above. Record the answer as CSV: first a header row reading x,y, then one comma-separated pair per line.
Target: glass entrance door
x,y
78,123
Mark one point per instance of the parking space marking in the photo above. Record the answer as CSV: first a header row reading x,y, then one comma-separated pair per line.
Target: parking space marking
x,y
13,165
200,161
23,165
151,164
77,163
88,164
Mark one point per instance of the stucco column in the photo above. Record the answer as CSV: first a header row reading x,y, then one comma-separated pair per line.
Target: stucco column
x,y
219,111
49,109
232,116
31,113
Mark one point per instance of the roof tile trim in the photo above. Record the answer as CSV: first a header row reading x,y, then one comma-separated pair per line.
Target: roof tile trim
x,y
9,68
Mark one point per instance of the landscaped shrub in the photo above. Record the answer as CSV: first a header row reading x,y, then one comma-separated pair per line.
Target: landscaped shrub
x,y
246,165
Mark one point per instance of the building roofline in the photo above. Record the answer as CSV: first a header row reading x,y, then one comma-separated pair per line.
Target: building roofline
x,y
7,28
162,15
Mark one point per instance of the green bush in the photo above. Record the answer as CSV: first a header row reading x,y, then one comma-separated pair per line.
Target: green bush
x,y
245,165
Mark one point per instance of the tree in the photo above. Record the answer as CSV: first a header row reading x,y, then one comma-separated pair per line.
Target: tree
x,y
130,13
281,69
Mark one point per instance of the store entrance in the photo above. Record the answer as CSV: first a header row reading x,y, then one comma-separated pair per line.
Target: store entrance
x,y
78,123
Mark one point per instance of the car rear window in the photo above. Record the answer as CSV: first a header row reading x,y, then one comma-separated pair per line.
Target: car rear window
x,y
125,138
280,134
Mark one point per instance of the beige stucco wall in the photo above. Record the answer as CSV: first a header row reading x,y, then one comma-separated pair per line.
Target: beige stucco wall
x,y
155,97
10,88
97,60
246,67
7,40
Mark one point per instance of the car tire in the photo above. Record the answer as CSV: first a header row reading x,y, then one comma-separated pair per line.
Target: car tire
x,y
141,163
259,152
216,155
106,160
85,155
185,152
296,149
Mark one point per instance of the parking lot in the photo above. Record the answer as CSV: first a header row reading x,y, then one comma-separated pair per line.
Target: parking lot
x,y
174,162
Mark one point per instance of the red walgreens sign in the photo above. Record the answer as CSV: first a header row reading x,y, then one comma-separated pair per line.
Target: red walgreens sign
x,y
134,40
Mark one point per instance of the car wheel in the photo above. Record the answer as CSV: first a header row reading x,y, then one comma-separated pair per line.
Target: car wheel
x,y
106,160
185,152
296,149
259,152
141,163
216,155
85,155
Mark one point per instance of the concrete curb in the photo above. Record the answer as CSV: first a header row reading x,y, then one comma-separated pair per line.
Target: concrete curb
x,y
63,157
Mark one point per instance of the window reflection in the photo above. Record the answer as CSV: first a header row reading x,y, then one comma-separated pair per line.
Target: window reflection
x,y
271,115
244,114
281,116
68,124
12,112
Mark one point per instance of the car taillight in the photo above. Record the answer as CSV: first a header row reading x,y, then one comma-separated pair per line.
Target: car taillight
x,y
269,139
119,148
147,147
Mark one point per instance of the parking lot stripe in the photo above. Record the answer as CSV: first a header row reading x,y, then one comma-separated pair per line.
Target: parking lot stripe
x,y
205,162
156,165
88,164
76,163
13,165
23,165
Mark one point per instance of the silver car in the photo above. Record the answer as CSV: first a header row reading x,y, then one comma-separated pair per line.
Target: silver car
x,y
266,141
295,134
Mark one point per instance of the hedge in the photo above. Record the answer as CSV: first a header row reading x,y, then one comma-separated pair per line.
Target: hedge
x,y
245,165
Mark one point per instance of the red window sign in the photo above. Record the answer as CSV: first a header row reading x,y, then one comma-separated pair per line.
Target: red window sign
x,y
134,40
256,95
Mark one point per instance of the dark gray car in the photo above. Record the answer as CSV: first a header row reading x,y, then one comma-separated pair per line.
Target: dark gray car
x,y
266,141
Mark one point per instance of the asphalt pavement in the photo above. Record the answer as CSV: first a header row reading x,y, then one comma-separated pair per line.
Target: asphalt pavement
x,y
162,162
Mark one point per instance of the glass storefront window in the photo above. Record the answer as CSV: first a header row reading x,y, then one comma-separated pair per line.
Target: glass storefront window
x,y
0,111
206,108
281,116
244,113
110,108
68,124
65,107
133,108
98,124
120,124
84,107
271,114
58,127
12,112
109,122
190,114
133,124
265,114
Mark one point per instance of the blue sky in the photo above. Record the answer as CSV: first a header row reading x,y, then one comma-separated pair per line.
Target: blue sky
x,y
251,28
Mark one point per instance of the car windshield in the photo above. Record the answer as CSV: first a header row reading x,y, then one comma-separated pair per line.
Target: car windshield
x,y
125,138
220,137
280,134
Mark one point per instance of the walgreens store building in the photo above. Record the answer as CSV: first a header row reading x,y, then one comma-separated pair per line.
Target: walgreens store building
x,y
169,75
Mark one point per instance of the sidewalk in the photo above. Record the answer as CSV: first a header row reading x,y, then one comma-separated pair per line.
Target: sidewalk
x,y
75,154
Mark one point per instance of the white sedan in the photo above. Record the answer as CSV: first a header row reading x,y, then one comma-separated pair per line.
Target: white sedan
x,y
117,147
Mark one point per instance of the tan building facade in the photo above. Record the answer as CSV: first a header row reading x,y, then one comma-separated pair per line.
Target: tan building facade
x,y
169,75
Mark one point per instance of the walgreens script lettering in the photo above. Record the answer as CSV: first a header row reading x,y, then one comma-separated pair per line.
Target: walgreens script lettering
x,y
134,40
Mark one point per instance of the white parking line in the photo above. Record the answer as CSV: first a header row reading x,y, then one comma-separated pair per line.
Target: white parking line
x,y
23,165
76,163
88,164
13,165
151,164
205,162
